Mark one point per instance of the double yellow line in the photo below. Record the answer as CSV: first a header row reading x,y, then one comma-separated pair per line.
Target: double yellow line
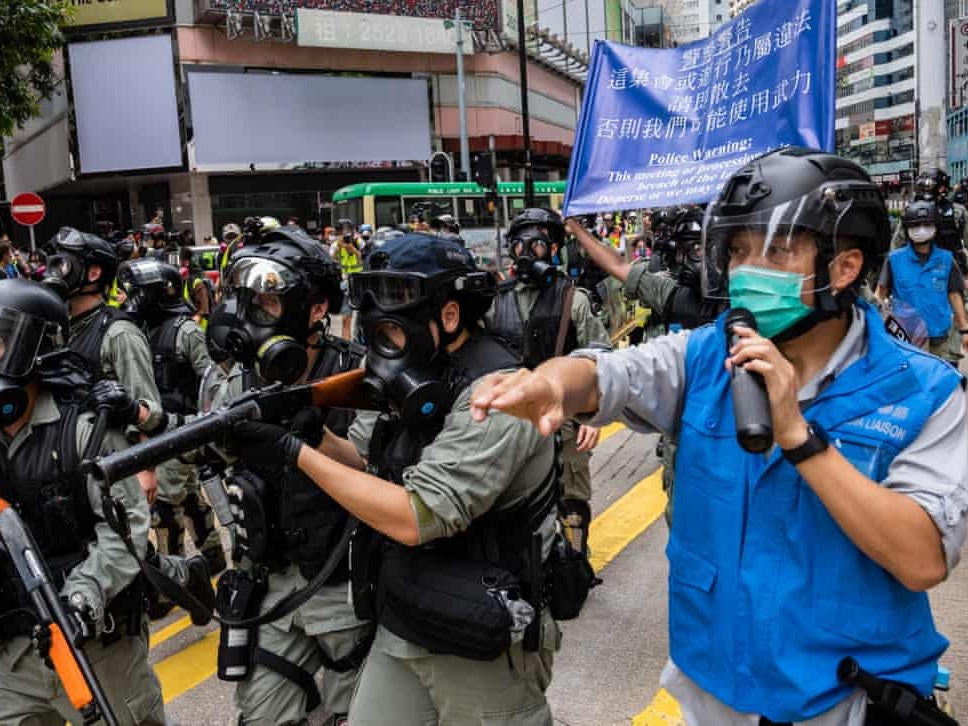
x,y
611,532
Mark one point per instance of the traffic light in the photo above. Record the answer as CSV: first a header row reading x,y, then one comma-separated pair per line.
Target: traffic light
x,y
440,167
484,171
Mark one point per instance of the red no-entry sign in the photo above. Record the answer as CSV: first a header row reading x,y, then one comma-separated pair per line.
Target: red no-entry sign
x,y
28,209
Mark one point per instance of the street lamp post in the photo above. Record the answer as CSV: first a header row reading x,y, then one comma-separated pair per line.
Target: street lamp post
x,y
465,154
525,118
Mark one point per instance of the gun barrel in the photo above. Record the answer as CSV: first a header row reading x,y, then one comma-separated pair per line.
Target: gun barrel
x,y
170,444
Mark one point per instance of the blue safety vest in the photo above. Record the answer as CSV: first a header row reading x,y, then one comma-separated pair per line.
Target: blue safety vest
x,y
923,284
766,592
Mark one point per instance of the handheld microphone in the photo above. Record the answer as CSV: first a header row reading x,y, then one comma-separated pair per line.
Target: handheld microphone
x,y
751,405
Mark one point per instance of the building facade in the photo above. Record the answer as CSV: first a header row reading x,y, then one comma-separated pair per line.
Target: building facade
x,y
206,111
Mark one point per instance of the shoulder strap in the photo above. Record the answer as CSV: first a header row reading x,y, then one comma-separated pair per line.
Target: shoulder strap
x,y
565,319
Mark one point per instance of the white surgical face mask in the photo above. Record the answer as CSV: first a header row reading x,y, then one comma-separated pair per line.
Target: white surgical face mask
x,y
922,233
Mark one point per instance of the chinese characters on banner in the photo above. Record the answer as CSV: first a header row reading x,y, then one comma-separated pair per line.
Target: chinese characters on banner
x,y
666,127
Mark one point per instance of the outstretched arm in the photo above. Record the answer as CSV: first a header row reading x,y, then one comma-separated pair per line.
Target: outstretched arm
x,y
605,257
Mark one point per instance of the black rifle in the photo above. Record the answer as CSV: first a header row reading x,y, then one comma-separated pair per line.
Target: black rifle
x,y
895,698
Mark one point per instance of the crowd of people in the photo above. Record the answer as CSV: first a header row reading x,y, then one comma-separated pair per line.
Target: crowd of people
x,y
419,545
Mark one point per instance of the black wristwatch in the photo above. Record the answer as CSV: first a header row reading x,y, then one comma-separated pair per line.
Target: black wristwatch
x,y
817,442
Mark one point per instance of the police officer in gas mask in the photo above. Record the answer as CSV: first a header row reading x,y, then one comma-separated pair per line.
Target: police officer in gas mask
x,y
180,358
80,269
463,516
274,323
541,314
46,422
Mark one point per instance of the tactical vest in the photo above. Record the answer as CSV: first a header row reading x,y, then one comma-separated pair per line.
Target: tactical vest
x,y
686,308
950,226
534,339
766,592
500,538
923,284
87,334
50,494
175,377
304,522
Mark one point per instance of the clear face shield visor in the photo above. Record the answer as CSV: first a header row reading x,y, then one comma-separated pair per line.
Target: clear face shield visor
x,y
783,239
21,336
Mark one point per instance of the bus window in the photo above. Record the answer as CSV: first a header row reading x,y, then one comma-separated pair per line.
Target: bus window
x,y
389,212
472,212
430,206
351,209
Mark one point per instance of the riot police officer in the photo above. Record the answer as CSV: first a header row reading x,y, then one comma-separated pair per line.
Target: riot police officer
x,y
274,323
179,359
463,516
81,268
40,381
663,224
541,314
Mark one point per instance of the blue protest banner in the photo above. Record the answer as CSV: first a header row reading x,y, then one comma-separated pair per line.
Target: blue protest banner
x,y
665,127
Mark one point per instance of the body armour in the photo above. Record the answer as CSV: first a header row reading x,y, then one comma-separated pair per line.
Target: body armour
x,y
686,308
175,377
923,284
49,492
534,339
766,591
91,328
395,447
304,523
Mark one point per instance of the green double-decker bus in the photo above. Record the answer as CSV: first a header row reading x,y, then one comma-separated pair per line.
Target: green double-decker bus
x,y
387,204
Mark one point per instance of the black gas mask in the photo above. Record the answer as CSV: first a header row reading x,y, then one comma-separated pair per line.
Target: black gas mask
x,y
264,320
688,259
531,251
66,274
403,365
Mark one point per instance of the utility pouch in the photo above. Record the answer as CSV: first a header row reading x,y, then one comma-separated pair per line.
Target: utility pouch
x,y
449,606
569,578
366,547
239,595
246,493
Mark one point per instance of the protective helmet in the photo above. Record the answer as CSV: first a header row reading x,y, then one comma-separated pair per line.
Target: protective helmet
x,y
297,272
33,321
930,183
791,190
124,248
919,212
688,224
74,253
366,229
664,219
400,293
545,219
153,289
231,232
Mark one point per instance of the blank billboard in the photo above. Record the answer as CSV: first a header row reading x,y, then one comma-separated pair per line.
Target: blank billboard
x,y
124,98
267,118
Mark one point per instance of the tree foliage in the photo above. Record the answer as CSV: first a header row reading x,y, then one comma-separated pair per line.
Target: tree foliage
x,y
30,33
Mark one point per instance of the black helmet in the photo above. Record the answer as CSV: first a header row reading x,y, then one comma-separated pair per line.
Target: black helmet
x,y
930,183
286,263
399,296
797,189
124,248
153,288
544,219
664,219
920,212
688,224
74,253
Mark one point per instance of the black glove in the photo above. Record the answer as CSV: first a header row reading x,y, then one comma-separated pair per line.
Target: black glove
x,y
112,396
265,445
308,424
81,617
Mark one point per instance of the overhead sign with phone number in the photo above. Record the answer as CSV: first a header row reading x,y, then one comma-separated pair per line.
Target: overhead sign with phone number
x,y
370,31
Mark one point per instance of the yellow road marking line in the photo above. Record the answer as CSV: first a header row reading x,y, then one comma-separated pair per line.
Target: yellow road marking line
x,y
632,514
186,669
609,431
169,631
663,711
610,533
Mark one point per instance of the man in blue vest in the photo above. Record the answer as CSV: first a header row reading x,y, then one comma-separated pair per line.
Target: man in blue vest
x,y
785,562
925,276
